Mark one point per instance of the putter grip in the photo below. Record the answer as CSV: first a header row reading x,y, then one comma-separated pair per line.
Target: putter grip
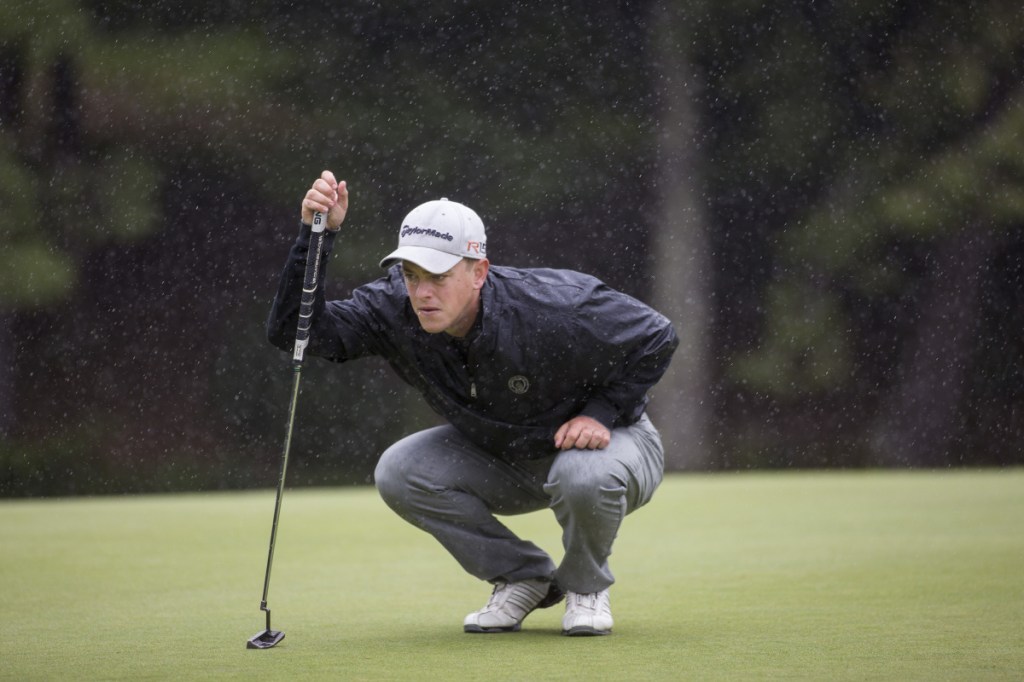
x,y
309,284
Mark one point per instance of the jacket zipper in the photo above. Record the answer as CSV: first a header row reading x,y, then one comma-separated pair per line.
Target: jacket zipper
x,y
471,370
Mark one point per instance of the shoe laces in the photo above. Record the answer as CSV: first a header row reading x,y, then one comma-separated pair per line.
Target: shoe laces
x,y
497,594
512,597
591,602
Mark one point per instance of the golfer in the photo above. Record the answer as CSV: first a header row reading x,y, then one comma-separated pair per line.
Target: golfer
x,y
542,376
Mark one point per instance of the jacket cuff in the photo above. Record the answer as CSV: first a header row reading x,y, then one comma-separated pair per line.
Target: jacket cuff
x,y
602,411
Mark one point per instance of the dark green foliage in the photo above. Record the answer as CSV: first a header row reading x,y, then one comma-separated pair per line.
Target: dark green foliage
x,y
855,157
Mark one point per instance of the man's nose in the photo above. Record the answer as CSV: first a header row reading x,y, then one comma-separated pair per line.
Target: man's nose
x,y
423,290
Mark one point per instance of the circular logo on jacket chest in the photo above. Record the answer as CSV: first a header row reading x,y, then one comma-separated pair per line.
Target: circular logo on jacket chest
x,y
519,384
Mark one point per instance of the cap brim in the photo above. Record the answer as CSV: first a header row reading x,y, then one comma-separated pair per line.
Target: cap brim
x,y
431,260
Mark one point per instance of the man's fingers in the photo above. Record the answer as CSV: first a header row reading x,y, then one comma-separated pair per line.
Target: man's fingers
x,y
313,203
317,201
342,194
328,189
326,195
584,439
560,434
590,440
583,433
340,208
571,439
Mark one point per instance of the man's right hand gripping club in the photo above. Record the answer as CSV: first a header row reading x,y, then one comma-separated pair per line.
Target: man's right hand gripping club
x,y
329,196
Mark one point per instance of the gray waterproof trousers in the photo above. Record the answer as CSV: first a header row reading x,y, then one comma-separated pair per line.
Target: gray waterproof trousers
x,y
440,482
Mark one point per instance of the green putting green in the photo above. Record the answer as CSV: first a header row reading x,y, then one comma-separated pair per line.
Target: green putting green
x,y
816,576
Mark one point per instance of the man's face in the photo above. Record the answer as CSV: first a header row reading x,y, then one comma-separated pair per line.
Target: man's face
x,y
448,302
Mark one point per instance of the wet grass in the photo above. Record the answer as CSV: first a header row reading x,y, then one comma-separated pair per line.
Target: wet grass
x,y
862,576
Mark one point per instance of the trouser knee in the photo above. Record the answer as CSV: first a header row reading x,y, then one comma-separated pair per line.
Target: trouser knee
x,y
392,478
576,483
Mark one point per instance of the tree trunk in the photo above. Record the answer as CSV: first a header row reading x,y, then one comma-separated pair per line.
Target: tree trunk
x,y
920,420
682,279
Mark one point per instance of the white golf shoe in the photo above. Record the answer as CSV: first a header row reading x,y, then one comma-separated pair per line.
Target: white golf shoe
x,y
587,614
510,603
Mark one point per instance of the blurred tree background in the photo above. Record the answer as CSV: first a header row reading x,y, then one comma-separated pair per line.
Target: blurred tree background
x,y
826,198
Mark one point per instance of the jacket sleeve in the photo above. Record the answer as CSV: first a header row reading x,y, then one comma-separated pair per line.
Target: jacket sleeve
x,y
340,330
284,314
629,347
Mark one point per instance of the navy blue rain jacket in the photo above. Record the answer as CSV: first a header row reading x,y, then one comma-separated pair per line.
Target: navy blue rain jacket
x,y
549,345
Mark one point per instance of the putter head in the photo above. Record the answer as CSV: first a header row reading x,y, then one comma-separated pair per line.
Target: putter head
x,y
265,639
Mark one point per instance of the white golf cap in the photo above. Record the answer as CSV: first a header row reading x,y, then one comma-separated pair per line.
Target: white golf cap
x,y
437,235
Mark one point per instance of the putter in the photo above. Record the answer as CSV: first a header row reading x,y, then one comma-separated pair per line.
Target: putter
x,y
268,638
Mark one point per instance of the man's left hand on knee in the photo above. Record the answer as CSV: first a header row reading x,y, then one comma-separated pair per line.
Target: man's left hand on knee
x,y
583,433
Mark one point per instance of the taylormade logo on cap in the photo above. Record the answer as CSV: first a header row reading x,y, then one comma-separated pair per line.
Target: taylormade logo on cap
x,y
410,230
437,235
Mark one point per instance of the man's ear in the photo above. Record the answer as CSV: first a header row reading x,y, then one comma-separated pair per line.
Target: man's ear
x,y
481,267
